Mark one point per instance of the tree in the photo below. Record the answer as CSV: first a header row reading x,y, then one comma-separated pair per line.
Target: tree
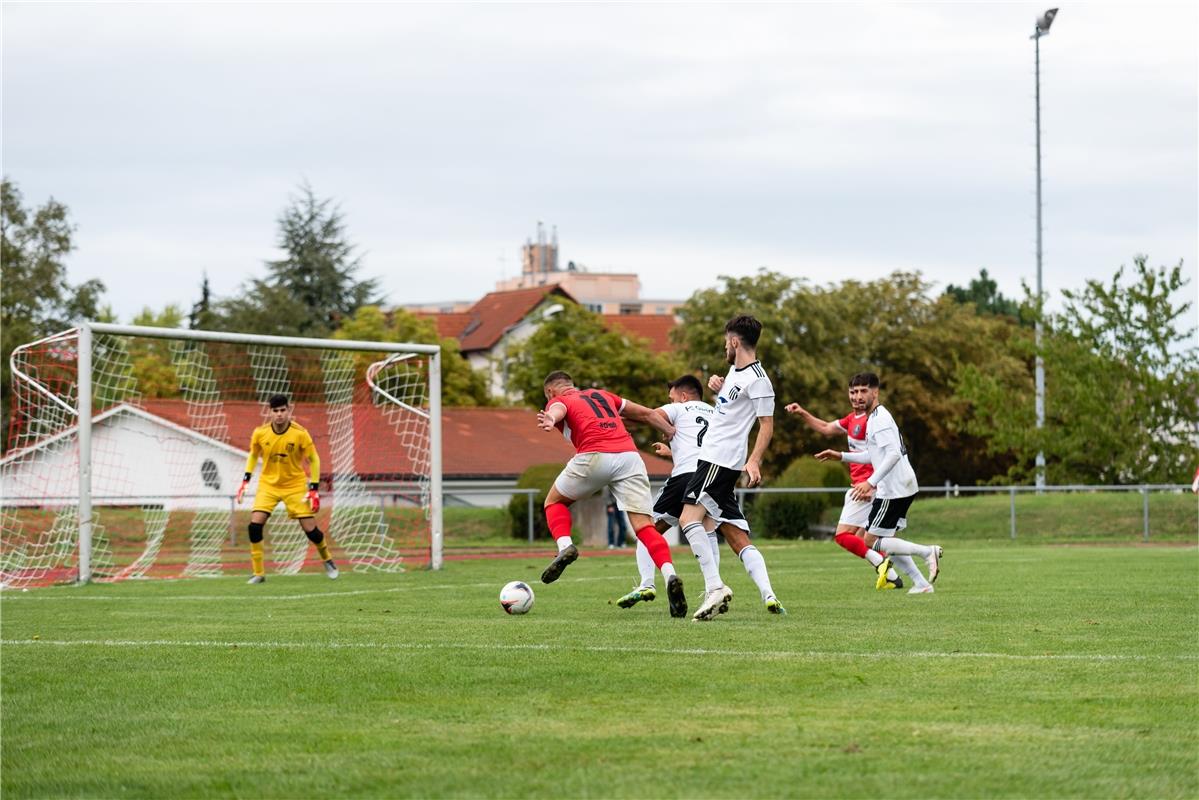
x,y
460,385
37,299
153,367
1121,386
575,340
815,338
201,315
314,287
984,294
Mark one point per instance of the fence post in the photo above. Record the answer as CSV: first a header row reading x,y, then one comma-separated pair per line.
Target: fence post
x,y
1145,510
1012,492
529,497
947,485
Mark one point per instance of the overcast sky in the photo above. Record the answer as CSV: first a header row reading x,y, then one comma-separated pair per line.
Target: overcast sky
x,y
677,141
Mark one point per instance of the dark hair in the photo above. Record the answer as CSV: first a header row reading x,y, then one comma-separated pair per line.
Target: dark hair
x,y
746,328
558,376
278,401
868,379
688,383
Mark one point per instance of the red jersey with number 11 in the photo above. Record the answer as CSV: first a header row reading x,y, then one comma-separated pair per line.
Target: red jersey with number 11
x,y
592,422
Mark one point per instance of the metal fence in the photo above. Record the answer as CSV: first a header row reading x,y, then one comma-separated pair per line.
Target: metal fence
x,y
949,490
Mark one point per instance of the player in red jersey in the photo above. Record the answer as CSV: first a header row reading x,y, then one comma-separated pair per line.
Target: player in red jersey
x,y
605,456
851,527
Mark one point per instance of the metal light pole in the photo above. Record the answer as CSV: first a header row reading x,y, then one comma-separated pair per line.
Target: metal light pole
x,y
1042,29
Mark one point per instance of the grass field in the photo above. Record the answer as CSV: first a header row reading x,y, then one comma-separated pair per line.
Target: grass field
x,y
1033,671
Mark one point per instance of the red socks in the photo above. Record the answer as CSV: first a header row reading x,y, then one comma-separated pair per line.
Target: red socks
x,y
852,543
557,516
658,549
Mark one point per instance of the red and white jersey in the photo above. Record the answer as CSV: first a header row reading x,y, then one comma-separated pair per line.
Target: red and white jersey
x,y
854,426
592,422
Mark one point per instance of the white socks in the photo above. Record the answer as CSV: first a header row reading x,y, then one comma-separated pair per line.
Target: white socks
x,y
697,537
874,558
715,543
910,569
645,566
563,543
894,546
755,565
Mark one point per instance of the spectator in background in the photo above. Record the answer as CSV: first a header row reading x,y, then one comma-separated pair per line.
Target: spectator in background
x,y
616,528
1195,483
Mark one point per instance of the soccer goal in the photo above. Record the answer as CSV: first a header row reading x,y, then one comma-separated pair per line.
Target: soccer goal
x,y
127,444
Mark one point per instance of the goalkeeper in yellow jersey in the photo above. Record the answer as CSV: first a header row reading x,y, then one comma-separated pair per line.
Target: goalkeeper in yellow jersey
x,y
283,445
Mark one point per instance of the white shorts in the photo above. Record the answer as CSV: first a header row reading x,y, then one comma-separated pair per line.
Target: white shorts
x,y
854,512
588,473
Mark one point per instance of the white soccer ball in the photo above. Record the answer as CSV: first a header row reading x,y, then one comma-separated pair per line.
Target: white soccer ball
x,y
516,597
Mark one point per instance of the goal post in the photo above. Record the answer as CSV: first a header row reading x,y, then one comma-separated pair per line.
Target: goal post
x,y
145,426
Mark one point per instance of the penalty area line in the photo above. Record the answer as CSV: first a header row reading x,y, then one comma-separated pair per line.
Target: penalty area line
x,y
537,648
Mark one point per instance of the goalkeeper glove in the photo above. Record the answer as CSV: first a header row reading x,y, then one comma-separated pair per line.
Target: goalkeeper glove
x,y
314,499
241,490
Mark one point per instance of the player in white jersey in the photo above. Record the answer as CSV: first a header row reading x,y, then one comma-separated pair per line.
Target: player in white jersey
x,y
851,527
691,417
892,487
745,396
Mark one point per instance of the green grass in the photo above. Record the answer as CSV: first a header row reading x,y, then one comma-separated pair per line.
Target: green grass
x,y
1032,671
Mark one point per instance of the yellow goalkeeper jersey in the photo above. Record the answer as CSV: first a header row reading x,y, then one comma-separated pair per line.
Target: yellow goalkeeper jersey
x,y
283,455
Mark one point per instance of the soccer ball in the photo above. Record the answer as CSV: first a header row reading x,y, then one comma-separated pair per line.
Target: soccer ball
x,y
516,597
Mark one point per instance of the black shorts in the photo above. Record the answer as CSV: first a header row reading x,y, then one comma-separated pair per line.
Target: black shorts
x,y
715,488
888,516
669,503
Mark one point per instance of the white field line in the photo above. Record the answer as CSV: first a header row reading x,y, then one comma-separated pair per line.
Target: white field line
x,y
241,598
533,648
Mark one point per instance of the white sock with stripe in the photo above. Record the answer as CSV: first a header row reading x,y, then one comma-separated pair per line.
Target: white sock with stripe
x,y
894,546
755,565
697,537
715,544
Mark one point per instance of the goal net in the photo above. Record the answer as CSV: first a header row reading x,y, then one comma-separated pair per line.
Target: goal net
x,y
126,447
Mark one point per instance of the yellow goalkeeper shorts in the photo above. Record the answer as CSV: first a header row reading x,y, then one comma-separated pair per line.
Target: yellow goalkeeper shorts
x,y
296,500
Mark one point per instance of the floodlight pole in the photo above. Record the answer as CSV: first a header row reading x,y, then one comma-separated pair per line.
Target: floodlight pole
x,y
1041,29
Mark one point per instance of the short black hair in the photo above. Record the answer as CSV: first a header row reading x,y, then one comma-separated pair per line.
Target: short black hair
x,y
278,401
868,379
746,328
558,376
688,383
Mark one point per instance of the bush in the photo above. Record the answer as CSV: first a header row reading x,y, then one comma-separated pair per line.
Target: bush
x,y
791,516
540,477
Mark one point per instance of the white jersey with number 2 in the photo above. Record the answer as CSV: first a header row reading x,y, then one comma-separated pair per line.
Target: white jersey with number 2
x,y
691,421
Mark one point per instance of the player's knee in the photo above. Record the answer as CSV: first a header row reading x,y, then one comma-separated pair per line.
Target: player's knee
x,y
256,529
315,536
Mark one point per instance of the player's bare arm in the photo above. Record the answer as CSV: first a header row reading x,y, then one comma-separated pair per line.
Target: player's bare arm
x,y
753,465
663,450
814,422
716,382
640,413
548,419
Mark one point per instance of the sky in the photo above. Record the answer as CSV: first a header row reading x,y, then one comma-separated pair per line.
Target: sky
x,y
678,141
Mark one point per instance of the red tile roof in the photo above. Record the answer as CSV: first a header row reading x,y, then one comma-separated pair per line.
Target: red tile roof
x,y
655,328
449,325
476,442
498,311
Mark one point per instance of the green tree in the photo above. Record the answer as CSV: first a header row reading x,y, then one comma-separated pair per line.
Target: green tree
x,y
153,368
37,299
201,316
575,340
1121,386
314,287
984,294
815,338
460,385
